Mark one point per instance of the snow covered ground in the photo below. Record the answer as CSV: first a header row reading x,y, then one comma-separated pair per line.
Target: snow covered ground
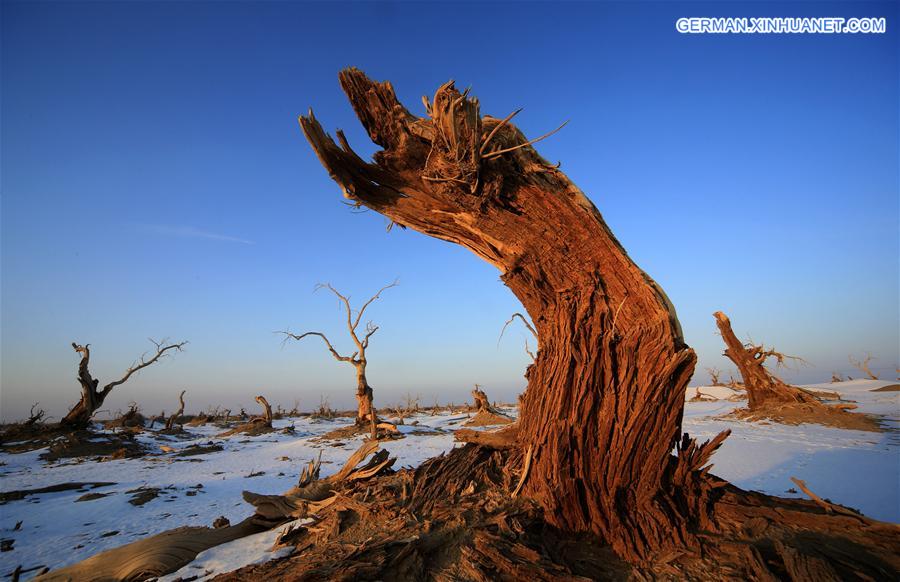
x,y
857,469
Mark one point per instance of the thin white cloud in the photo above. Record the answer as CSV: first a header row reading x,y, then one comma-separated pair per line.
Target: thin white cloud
x,y
192,232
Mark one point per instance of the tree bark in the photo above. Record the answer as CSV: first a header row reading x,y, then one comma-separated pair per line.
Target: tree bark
x,y
365,413
763,388
603,407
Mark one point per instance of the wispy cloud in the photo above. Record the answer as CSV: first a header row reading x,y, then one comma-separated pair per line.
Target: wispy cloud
x,y
191,232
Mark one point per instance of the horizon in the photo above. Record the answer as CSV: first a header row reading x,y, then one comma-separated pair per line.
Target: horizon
x,y
156,184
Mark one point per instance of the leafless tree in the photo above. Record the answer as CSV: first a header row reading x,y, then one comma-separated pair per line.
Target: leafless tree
x,y
365,413
170,423
714,374
411,402
34,417
324,410
92,397
863,366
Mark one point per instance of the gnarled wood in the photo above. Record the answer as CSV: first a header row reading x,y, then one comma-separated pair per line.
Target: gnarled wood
x,y
762,387
769,397
91,397
605,396
267,411
485,414
863,365
170,423
604,403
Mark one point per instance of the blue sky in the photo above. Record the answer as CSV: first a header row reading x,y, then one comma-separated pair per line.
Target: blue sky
x,y
155,183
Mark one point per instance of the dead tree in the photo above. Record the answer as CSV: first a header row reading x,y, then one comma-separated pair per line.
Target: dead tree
x,y
608,383
863,365
411,403
34,417
482,404
170,423
602,411
714,374
364,411
92,397
763,388
266,418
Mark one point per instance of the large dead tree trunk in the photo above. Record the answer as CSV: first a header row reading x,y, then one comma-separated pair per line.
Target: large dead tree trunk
x,y
365,413
763,388
603,408
604,402
91,397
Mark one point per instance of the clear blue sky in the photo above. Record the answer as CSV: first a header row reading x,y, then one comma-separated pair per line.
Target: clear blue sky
x,y
155,183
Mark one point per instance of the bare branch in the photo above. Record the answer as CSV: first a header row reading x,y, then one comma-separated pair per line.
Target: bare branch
x,y
371,328
490,136
288,335
828,507
369,302
161,348
524,321
498,153
863,365
344,300
761,354
529,352
714,374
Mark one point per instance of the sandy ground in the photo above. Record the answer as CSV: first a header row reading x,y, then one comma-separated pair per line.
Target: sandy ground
x,y
857,469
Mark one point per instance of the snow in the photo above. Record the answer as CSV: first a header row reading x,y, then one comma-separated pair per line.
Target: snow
x,y
56,531
254,549
853,468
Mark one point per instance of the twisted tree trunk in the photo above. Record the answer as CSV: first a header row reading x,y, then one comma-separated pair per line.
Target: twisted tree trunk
x,y
762,387
266,418
92,397
482,404
603,407
170,424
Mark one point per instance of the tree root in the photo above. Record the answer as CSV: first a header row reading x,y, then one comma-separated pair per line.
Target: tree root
x,y
455,518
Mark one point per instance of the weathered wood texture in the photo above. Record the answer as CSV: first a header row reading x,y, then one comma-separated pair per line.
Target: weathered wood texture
x,y
605,396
